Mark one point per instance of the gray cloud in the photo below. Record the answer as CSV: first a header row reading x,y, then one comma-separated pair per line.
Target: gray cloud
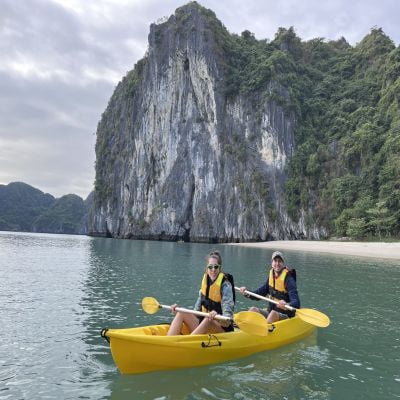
x,y
61,60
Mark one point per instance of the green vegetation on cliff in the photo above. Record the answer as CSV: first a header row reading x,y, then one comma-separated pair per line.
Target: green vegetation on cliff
x,y
345,173
20,205
66,215
346,168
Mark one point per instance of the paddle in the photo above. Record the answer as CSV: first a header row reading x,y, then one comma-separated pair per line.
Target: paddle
x,y
248,321
309,315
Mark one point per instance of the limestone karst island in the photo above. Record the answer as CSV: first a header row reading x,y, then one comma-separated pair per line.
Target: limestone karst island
x,y
221,137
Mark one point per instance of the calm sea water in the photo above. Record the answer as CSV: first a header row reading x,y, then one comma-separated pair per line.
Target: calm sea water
x,y
58,291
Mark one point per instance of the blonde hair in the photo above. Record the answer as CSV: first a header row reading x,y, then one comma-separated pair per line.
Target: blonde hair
x,y
215,254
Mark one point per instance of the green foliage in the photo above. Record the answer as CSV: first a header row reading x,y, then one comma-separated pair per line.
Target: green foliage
x,y
24,208
20,205
64,216
346,167
356,228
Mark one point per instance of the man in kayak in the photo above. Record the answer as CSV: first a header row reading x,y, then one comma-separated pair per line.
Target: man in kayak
x,y
215,297
280,286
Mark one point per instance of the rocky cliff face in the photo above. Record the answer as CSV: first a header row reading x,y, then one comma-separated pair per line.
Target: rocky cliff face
x,y
177,158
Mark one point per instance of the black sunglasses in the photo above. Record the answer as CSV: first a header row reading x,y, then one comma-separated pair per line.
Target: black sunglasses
x,y
213,266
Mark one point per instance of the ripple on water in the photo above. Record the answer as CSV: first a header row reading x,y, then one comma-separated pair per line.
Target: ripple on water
x,y
314,356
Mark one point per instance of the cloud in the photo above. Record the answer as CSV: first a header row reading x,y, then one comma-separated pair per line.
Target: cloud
x,y
61,60
330,19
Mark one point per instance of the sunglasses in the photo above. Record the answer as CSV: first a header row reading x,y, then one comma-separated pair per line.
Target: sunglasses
x,y
214,266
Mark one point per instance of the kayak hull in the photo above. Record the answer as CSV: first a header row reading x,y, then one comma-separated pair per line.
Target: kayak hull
x,y
146,349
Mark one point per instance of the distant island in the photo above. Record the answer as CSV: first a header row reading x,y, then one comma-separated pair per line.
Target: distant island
x,y
24,208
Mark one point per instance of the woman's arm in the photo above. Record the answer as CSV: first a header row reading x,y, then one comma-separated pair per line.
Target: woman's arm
x,y
227,303
197,305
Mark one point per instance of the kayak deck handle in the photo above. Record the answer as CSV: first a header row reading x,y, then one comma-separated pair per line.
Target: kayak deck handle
x,y
209,343
103,334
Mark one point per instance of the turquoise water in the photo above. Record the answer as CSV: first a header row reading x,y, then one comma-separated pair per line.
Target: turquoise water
x,y
58,291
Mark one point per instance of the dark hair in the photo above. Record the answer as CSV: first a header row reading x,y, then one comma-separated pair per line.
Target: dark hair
x,y
215,254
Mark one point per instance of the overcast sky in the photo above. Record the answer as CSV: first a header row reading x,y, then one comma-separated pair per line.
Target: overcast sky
x,y
60,61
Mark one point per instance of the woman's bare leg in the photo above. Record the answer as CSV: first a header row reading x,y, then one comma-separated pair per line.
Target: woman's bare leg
x,y
190,320
208,326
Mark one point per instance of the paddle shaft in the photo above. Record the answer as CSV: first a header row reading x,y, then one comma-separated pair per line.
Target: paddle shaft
x,y
248,321
265,298
199,313
311,316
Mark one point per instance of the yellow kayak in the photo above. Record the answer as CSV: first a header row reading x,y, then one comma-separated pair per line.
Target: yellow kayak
x,y
146,349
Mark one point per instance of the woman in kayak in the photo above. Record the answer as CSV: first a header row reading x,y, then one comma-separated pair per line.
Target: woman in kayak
x,y
281,286
215,297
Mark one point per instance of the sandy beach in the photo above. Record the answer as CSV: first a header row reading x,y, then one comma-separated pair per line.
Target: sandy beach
x,y
359,249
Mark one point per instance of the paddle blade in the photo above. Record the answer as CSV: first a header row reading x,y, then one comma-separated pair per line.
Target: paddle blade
x,y
313,317
251,322
150,305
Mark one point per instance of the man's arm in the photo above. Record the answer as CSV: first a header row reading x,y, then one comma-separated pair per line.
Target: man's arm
x,y
291,288
261,291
